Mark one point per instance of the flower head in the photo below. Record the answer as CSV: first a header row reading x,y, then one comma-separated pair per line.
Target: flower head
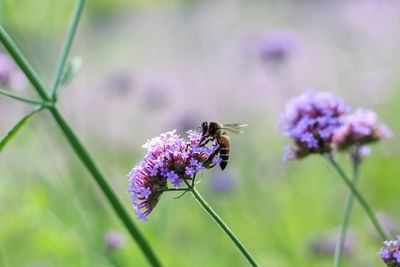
x,y
277,46
114,240
391,253
359,128
388,223
223,182
326,243
310,120
169,158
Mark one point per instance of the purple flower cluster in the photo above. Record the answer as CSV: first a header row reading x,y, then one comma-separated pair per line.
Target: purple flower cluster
x,y
391,254
359,128
170,159
318,122
326,244
310,120
277,46
114,240
10,74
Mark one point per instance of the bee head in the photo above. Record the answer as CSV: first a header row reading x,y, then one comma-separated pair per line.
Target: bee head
x,y
204,128
213,128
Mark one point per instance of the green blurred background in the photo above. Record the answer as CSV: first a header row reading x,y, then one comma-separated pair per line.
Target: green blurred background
x,y
152,66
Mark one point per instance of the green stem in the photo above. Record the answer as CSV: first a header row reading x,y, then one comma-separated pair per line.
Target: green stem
x,y
17,127
21,61
359,197
67,47
81,152
84,156
177,189
33,102
221,224
347,214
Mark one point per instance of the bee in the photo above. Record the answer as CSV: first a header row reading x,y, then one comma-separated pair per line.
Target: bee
x,y
215,131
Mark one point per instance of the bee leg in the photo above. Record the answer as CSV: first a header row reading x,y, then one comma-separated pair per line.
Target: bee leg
x,y
212,156
202,139
206,141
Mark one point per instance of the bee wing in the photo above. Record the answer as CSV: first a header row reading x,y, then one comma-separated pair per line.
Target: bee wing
x,y
232,131
233,127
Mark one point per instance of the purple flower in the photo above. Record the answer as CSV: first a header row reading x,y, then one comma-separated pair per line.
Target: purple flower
x,y
200,168
189,171
164,172
364,151
390,254
309,139
222,182
170,159
359,128
326,244
174,178
114,240
277,46
154,172
10,74
388,223
155,96
288,154
193,162
120,82
217,160
310,120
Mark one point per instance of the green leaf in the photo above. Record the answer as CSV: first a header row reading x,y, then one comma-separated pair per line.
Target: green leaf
x,y
70,71
18,126
5,93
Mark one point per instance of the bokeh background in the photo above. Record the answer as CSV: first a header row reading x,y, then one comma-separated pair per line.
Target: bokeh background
x,y
152,66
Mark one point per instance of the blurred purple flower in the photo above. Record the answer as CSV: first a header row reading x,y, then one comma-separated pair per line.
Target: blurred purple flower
x,y
364,151
187,121
169,158
391,253
114,240
6,67
277,46
155,96
120,82
222,182
359,128
388,223
310,120
10,74
327,245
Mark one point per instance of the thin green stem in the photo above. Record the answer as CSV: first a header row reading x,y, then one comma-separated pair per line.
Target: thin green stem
x,y
81,152
67,47
33,102
84,156
347,215
21,61
221,224
359,197
193,180
177,189
17,127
